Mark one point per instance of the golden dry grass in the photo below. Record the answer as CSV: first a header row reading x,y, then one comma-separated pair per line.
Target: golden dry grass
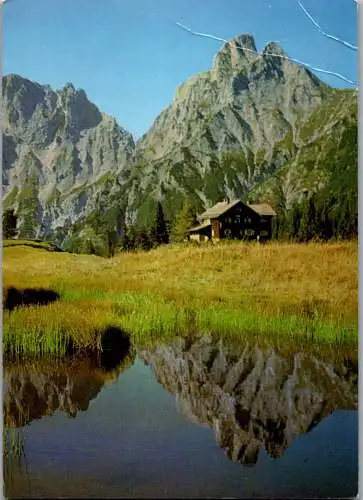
x,y
221,287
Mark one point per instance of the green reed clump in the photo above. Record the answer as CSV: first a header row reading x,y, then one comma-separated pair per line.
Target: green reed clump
x,y
13,443
145,315
148,317
34,341
13,454
224,321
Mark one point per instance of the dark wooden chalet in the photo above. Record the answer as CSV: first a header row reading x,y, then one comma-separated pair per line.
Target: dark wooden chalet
x,y
234,220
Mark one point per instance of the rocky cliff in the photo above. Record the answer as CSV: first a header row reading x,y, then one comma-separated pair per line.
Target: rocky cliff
x,y
247,101
58,149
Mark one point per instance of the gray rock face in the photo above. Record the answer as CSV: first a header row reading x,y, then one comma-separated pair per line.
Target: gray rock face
x,y
55,145
252,397
247,100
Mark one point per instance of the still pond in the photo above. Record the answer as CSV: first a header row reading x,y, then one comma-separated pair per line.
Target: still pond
x,y
184,419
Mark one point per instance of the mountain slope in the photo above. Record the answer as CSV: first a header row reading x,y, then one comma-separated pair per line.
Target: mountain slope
x,y
231,129
327,160
57,147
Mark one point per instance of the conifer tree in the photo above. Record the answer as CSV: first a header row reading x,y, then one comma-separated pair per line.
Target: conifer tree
x,y
304,229
9,224
143,239
294,221
159,231
184,220
325,229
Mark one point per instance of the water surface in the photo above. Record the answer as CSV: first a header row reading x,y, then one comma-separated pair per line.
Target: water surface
x,y
188,419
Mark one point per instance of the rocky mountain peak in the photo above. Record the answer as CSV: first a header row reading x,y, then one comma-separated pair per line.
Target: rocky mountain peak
x,y
68,88
70,93
273,49
56,143
81,113
21,97
13,83
234,57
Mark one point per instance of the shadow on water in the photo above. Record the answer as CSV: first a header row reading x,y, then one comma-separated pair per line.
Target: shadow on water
x,y
14,297
115,346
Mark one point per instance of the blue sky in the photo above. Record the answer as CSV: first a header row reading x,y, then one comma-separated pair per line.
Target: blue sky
x,y
129,56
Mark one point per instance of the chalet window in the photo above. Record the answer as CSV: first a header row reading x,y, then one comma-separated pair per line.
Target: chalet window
x,y
229,220
238,219
248,220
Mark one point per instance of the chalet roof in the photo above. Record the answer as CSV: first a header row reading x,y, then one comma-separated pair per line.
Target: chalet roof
x,y
218,209
223,206
263,209
201,226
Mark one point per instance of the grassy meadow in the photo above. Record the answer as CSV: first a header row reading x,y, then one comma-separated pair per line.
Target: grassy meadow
x,y
304,293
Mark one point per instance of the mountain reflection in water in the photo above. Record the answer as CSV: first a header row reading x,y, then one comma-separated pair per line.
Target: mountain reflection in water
x,y
36,389
133,442
252,397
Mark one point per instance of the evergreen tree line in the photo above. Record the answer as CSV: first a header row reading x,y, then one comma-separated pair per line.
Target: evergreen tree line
x,y
105,232
318,218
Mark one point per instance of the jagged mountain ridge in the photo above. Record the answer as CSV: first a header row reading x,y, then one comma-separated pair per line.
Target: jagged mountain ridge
x,y
234,103
227,132
56,143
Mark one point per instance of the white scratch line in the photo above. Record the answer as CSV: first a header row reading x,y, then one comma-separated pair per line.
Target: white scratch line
x,y
297,61
319,28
